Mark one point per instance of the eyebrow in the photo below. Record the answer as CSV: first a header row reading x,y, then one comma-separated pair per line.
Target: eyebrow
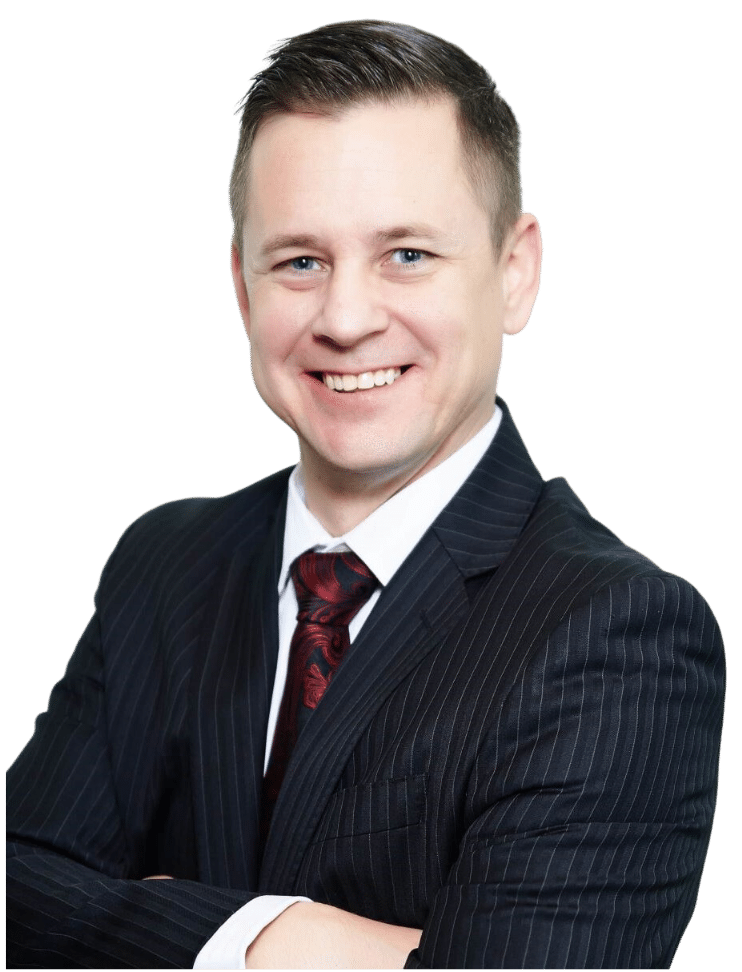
x,y
285,241
420,231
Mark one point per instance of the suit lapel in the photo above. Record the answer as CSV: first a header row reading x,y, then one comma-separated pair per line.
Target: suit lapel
x,y
232,687
482,522
426,601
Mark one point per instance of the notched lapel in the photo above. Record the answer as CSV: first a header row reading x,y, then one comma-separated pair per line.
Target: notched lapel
x,y
482,523
232,690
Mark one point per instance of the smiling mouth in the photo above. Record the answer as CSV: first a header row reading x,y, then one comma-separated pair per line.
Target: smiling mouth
x,y
361,382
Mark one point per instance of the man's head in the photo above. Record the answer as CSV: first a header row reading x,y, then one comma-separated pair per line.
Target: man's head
x,y
341,65
366,248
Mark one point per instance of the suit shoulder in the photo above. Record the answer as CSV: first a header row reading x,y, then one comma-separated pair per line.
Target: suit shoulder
x,y
578,546
579,599
209,512
208,527
567,530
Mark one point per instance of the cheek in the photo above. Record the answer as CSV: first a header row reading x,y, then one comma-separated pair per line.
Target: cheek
x,y
274,339
273,319
272,336
486,322
262,384
265,356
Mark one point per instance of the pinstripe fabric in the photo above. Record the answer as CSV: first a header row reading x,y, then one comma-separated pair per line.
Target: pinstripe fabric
x,y
529,773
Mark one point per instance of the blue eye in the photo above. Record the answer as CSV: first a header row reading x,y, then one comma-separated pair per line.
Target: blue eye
x,y
303,260
409,256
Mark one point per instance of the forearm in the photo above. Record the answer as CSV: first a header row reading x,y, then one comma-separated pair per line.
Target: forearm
x,y
318,936
61,912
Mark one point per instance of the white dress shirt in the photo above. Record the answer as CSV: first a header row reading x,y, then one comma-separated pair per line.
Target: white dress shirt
x,y
383,541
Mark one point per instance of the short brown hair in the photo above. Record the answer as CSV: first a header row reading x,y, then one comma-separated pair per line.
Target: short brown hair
x,y
344,64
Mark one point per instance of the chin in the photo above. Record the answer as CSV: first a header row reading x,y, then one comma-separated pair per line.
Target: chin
x,y
357,464
375,465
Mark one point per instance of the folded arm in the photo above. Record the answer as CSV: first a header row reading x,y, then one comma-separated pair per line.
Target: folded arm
x,y
318,936
590,807
590,803
74,889
592,798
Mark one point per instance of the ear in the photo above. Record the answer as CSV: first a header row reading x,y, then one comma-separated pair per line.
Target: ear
x,y
240,289
521,272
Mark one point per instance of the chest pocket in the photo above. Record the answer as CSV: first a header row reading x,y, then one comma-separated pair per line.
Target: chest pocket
x,y
367,852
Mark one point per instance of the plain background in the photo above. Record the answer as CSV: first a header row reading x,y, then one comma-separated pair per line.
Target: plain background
x,y
126,377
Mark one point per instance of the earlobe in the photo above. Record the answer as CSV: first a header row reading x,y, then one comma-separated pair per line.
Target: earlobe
x,y
522,273
240,289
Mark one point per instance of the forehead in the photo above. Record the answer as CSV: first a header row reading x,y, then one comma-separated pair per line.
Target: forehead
x,y
368,164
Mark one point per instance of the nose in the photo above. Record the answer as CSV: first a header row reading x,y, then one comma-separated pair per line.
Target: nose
x,y
351,308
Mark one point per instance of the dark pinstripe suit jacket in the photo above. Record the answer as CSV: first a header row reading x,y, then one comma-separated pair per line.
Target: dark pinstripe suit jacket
x,y
519,753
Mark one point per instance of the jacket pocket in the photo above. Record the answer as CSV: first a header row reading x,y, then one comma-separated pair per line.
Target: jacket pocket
x,y
373,807
368,852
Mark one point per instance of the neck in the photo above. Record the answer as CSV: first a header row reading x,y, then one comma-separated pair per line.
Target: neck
x,y
343,502
341,499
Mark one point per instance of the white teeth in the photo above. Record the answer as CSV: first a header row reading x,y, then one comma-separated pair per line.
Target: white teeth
x,y
368,379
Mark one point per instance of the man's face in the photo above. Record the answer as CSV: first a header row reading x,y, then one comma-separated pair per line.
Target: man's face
x,y
366,256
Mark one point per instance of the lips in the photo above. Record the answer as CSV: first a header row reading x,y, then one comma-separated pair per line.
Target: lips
x,y
367,379
350,382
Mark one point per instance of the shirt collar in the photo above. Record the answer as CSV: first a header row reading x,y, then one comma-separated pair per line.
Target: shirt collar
x,y
388,535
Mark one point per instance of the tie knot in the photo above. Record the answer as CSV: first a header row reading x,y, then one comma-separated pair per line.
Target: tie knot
x,y
331,587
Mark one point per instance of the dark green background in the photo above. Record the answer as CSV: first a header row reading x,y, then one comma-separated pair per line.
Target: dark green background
x,y
127,371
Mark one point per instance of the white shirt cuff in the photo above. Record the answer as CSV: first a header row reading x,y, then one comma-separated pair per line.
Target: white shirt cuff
x,y
227,946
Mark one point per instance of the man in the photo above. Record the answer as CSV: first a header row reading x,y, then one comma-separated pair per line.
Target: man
x,y
407,704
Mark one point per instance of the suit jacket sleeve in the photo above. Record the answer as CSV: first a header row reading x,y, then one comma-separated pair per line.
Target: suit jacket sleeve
x,y
592,798
75,894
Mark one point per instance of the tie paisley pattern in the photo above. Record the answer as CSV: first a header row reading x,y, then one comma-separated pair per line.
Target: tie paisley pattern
x,y
331,588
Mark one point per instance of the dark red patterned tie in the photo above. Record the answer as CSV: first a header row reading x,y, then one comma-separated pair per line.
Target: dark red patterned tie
x,y
330,590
